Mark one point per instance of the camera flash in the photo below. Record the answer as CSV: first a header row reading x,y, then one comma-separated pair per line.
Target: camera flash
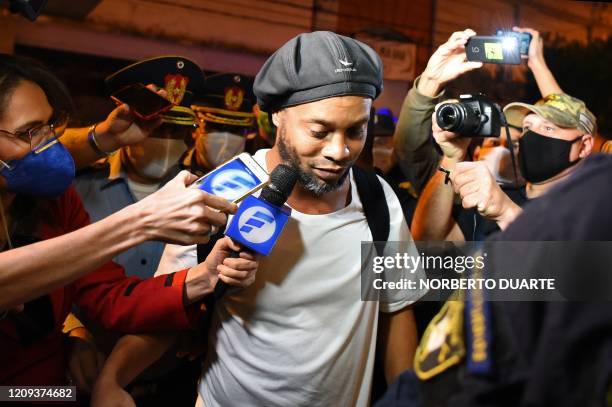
x,y
509,43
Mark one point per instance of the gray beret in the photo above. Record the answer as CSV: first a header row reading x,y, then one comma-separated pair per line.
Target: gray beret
x,y
315,66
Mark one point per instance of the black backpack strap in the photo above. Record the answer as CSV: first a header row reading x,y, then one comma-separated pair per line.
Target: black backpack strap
x,y
376,212
374,204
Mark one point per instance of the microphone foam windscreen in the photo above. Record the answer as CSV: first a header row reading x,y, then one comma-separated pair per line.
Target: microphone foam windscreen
x,y
282,181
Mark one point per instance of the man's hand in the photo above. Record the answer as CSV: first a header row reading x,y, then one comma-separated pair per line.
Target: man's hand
x,y
108,393
85,361
447,63
478,189
219,265
182,215
122,128
236,271
544,78
536,46
453,147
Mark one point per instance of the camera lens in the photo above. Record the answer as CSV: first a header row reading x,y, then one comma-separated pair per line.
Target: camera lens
x,y
463,118
450,116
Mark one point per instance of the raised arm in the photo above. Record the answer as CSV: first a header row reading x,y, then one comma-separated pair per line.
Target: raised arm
x,y
119,129
417,155
536,62
433,218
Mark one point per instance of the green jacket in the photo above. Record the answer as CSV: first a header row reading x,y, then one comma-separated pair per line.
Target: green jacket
x,y
416,151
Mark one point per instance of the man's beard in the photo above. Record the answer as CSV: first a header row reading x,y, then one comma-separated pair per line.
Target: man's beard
x,y
309,181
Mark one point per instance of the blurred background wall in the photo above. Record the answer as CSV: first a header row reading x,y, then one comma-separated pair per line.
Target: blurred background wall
x,y
85,40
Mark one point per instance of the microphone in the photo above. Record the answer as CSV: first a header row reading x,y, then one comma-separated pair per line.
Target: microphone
x,y
259,221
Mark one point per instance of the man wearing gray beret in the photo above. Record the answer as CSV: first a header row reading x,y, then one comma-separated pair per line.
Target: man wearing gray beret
x,y
301,335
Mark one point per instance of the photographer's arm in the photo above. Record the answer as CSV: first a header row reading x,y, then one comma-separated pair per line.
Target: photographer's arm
x,y
433,219
119,129
417,155
536,62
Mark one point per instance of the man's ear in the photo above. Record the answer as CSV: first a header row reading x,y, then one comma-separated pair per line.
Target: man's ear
x,y
278,117
587,146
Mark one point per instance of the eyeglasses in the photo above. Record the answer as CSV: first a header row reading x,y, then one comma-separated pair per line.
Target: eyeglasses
x,y
38,134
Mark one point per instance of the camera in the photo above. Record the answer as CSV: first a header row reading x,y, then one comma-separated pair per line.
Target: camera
x,y
471,116
523,40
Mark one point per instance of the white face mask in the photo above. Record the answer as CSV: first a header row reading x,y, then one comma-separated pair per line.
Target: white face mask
x,y
153,157
221,146
499,162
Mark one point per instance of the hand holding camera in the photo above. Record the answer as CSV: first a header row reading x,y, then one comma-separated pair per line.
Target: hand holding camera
x,y
505,47
447,63
535,52
471,116
452,145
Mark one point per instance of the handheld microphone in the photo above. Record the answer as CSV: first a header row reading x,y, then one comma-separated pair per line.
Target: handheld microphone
x,y
259,221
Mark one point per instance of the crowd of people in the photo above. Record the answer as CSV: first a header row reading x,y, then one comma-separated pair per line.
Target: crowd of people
x,y
109,259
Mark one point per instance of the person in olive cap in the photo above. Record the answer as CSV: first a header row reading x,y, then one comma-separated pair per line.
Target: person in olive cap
x,y
224,110
557,134
137,170
302,335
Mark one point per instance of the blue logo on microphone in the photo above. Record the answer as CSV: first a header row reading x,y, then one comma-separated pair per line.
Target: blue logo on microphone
x,y
257,224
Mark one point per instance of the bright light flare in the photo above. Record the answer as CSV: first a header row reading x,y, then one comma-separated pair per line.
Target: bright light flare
x,y
510,43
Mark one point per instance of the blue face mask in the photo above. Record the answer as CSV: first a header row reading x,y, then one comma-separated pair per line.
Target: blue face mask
x,y
47,171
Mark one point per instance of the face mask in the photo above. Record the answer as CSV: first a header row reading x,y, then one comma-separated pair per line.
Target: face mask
x,y
542,157
46,171
499,161
221,146
153,157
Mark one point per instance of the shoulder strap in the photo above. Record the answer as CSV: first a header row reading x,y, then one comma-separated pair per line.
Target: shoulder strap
x,y
374,204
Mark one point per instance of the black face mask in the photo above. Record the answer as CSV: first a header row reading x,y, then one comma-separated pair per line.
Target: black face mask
x,y
542,157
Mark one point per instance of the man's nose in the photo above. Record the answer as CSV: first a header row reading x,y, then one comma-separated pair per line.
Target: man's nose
x,y
336,149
